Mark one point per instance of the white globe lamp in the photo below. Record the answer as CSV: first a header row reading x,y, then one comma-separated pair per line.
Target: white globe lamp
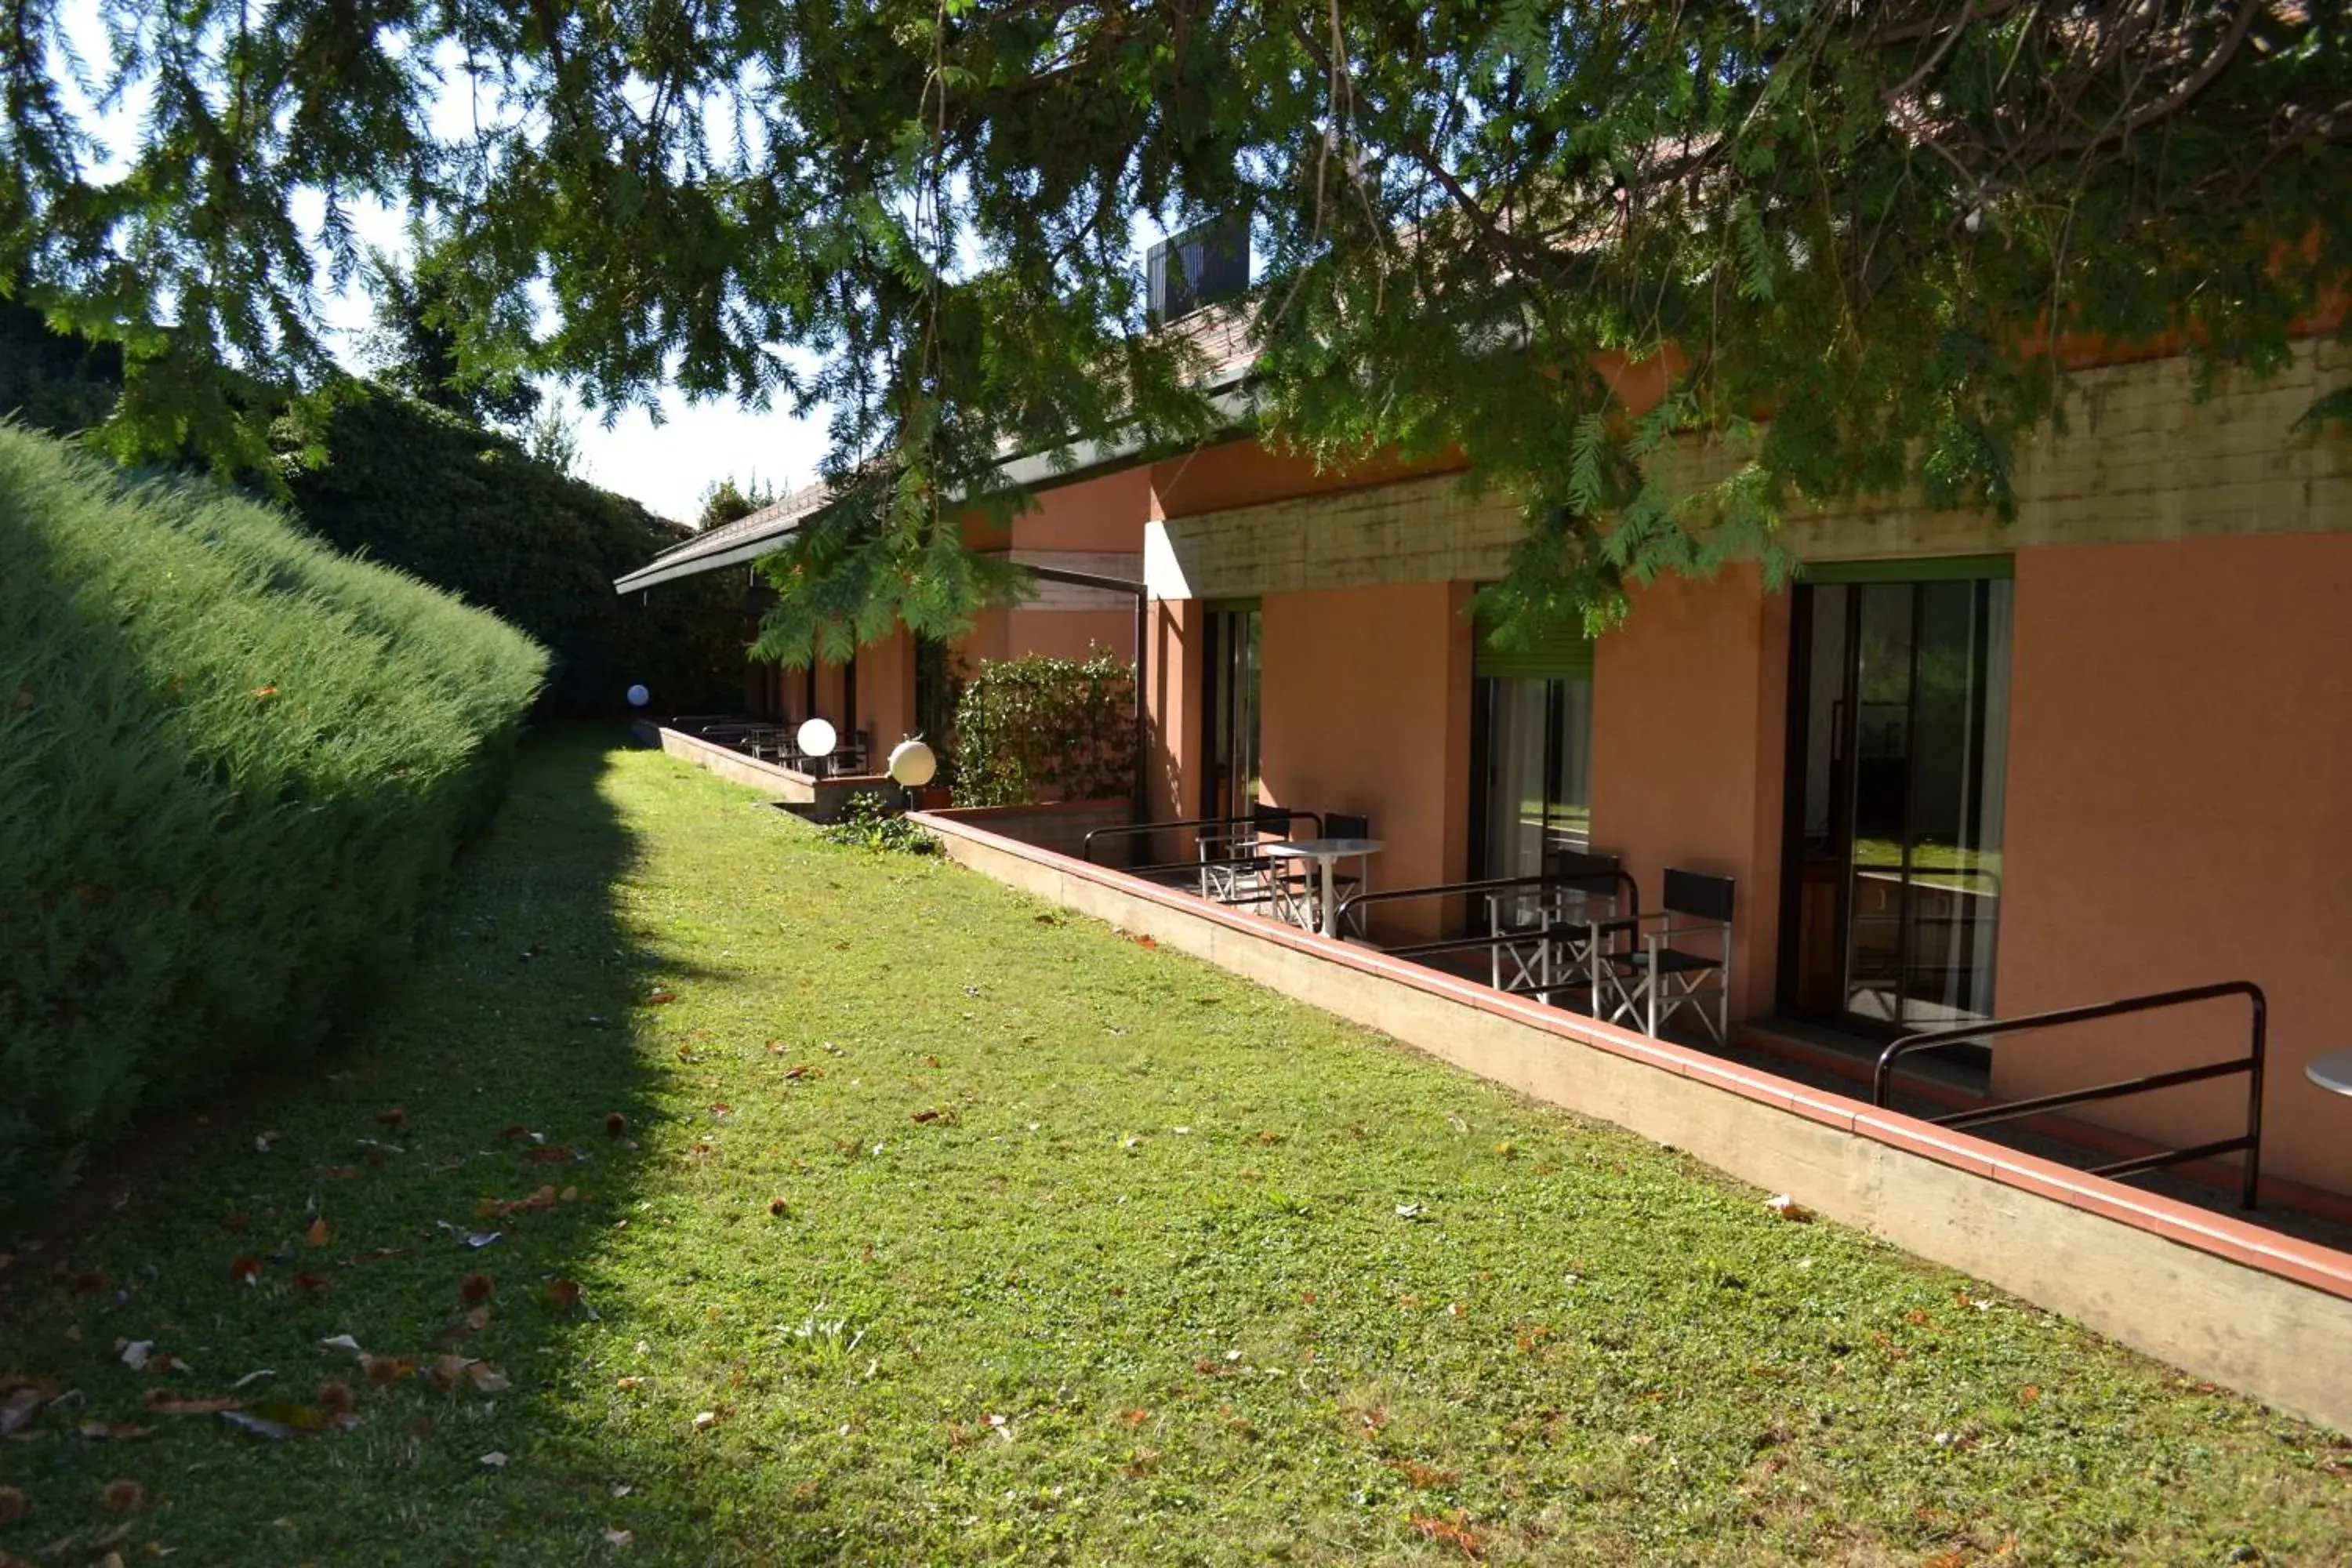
x,y
913,764
816,739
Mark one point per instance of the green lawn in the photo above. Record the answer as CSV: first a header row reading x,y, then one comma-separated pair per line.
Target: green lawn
x,y
941,1227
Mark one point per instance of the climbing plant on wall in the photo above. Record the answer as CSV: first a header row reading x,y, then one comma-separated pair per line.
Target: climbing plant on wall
x,y
1039,728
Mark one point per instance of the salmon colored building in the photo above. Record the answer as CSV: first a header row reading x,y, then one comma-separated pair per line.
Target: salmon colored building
x,y
1958,771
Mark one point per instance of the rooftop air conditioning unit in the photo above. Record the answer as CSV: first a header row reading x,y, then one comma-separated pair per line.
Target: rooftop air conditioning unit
x,y
1199,267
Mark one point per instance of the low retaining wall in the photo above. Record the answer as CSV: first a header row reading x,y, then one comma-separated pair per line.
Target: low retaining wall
x,y
823,796
1060,826
2264,1313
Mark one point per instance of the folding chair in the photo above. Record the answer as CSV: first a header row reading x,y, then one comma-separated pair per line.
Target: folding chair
x,y
1655,979
1235,870
1344,824
1548,936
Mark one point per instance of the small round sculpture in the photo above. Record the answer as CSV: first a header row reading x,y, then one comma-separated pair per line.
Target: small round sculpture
x,y
639,696
816,739
912,763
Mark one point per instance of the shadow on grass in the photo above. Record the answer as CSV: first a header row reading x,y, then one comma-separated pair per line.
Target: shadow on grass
x,y
339,1198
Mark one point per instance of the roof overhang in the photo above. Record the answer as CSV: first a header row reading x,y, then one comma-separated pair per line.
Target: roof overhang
x,y
1234,401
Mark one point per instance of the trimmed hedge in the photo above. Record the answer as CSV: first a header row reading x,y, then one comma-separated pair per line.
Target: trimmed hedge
x,y
233,764
467,510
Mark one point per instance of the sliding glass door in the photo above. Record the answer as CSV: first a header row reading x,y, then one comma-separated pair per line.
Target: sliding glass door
x,y
1229,664
1898,749
1531,748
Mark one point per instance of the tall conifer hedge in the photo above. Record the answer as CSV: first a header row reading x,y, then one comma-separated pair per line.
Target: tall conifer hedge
x,y
233,764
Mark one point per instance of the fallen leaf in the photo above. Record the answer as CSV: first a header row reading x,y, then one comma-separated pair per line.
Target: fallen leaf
x,y
383,1370
101,1432
1454,1532
474,1289
1135,1417
776,1206
344,1343
396,1119
1787,1208
552,1154
311,1284
317,1235
163,1401
245,1271
803,1070
705,1420
615,1124
621,1539
628,1382
13,1505
335,1397
122,1496
488,1379
500,1208
1408,1211
659,994
516,1131
251,1378
340,1172
494,1461
927,1116
444,1371
563,1293
135,1353
479,1318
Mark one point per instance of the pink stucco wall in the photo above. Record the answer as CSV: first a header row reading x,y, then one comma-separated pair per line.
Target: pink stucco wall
x,y
1690,715
1172,710
1367,710
2179,810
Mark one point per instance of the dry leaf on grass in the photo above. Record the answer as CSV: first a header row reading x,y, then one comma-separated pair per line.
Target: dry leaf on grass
x,y
122,1496
13,1505
163,1401
1452,1531
474,1288
317,1235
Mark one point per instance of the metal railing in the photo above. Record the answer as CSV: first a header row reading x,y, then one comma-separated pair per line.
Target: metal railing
x,y
2251,1064
1233,824
1536,976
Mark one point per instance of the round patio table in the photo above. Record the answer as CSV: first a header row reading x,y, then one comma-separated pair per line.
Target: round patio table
x,y
1326,853
2331,1071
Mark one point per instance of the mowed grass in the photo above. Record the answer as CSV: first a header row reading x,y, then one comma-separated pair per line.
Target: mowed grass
x,y
941,1227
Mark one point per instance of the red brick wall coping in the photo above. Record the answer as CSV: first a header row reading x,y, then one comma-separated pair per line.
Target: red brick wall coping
x,y
2287,1257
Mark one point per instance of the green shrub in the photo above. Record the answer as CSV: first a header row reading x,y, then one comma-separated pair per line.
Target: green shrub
x,y
1038,728
419,487
868,822
232,765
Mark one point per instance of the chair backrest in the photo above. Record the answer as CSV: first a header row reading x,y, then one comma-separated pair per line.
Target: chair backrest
x,y
1697,894
1340,825
1271,819
1589,873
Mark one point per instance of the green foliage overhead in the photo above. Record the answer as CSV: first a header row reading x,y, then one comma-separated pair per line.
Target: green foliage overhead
x,y
232,765
1040,728
418,349
467,510
1868,220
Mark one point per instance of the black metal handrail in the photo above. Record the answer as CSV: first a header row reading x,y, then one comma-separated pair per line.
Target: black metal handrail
x,y
1132,829
1547,879
2251,1064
